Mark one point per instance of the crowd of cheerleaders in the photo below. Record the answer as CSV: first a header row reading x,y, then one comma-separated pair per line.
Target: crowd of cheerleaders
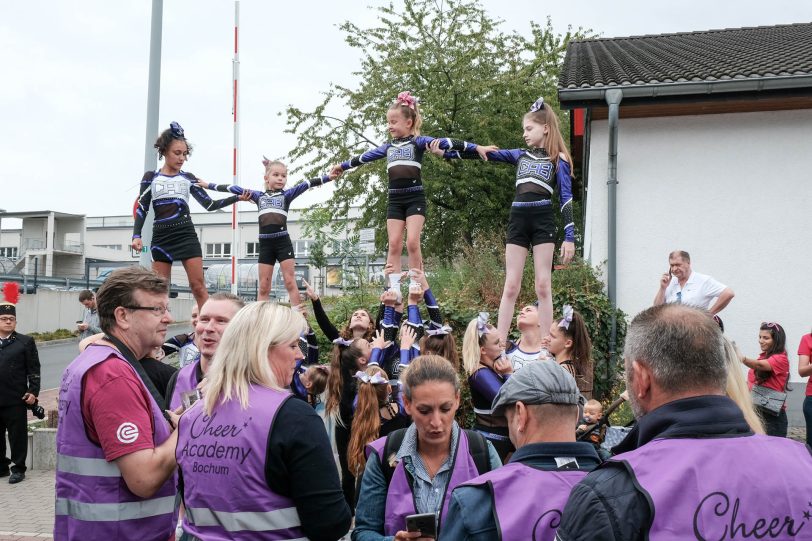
x,y
542,169
365,364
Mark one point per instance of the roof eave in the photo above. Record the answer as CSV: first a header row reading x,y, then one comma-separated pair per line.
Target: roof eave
x,y
578,97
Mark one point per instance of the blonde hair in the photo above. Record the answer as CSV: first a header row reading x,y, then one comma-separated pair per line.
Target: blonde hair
x,y
554,141
592,403
471,342
736,388
271,163
241,359
409,114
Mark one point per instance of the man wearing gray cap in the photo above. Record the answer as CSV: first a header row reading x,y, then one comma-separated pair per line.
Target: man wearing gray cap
x,y
524,498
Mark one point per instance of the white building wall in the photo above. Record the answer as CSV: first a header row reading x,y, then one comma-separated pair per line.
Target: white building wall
x,y
735,191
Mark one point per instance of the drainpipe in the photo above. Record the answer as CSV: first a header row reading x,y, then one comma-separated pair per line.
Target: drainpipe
x,y
613,98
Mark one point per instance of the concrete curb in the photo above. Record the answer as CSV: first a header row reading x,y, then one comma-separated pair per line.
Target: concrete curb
x,y
46,343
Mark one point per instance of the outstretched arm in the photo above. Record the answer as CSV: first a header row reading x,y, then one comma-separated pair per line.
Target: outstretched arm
x,y
302,187
366,157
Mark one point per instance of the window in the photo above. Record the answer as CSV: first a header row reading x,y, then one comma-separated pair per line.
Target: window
x,y
251,249
301,248
218,249
110,246
8,251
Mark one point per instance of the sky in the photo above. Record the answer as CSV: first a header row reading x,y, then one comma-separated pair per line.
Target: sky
x,y
73,96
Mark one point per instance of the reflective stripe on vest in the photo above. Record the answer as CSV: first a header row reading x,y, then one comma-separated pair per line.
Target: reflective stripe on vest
x,y
714,488
107,512
254,521
95,467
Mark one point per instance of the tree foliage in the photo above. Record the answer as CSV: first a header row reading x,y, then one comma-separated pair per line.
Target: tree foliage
x,y
475,82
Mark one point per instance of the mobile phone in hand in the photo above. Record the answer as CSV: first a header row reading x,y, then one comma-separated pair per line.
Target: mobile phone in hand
x,y
425,523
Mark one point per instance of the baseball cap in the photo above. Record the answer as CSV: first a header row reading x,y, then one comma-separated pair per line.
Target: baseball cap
x,y
538,382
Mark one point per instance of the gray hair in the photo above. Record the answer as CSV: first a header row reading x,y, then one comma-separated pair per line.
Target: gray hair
x,y
682,345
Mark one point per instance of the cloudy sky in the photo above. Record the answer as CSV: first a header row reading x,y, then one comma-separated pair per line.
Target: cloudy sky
x,y
74,80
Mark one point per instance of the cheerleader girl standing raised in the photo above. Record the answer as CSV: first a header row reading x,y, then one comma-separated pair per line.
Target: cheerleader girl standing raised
x,y
404,156
173,233
541,169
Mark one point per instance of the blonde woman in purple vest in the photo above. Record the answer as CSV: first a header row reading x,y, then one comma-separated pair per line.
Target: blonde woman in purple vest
x,y
434,455
256,463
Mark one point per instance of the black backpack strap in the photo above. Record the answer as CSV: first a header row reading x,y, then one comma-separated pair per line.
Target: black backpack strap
x,y
392,446
478,448
139,369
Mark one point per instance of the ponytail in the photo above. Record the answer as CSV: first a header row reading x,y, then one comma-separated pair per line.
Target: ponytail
x,y
366,423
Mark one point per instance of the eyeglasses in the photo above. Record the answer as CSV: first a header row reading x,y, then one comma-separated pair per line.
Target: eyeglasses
x,y
679,297
157,310
8,319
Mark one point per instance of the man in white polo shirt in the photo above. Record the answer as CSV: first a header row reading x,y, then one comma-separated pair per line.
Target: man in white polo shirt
x,y
684,286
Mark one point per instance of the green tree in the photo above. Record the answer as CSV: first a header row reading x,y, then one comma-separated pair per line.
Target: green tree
x,y
475,82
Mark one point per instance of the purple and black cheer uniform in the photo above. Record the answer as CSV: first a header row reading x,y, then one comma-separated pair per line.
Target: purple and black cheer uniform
x,y
173,233
485,384
404,157
274,240
537,178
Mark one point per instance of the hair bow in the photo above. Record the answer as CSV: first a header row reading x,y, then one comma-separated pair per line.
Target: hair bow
x,y
439,331
406,98
177,131
376,379
567,319
343,342
538,105
265,161
482,324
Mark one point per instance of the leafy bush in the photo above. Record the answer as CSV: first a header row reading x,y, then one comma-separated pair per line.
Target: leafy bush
x,y
58,334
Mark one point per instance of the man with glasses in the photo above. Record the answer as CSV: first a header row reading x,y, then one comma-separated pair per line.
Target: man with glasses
x,y
683,286
19,387
115,447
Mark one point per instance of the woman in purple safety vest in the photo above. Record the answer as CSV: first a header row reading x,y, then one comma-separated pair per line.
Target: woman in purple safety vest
x,y
254,463
434,456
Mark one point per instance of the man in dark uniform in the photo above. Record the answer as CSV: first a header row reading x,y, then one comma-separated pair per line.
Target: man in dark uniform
x,y
19,387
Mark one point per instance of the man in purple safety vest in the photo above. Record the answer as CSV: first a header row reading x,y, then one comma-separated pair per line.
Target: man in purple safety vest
x,y
524,498
691,468
115,448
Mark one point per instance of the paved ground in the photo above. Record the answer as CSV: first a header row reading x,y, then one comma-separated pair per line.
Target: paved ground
x,y
27,508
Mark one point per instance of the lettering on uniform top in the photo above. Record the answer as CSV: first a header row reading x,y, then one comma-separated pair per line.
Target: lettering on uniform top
x,y
404,153
717,519
542,170
276,201
174,188
206,427
547,524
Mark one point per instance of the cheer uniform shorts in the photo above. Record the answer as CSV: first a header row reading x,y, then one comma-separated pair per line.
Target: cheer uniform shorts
x,y
275,247
531,223
406,198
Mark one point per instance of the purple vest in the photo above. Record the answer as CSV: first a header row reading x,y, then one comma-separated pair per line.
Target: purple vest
x,y
185,382
222,459
399,497
92,499
519,516
750,487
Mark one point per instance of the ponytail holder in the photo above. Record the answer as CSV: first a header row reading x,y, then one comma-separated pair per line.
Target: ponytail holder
x,y
482,324
375,379
440,331
565,322
342,342
406,98
265,161
538,105
177,131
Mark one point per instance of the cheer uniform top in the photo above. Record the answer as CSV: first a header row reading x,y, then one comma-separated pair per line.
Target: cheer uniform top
x,y
173,234
273,205
537,177
485,384
404,157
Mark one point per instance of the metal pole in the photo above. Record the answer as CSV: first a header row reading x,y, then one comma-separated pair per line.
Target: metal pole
x,y
153,105
235,231
613,99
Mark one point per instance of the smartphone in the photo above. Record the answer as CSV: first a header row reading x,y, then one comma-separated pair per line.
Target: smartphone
x,y
79,321
425,523
190,397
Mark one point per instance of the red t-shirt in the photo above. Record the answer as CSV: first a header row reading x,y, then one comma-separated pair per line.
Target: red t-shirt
x,y
116,409
805,348
777,378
